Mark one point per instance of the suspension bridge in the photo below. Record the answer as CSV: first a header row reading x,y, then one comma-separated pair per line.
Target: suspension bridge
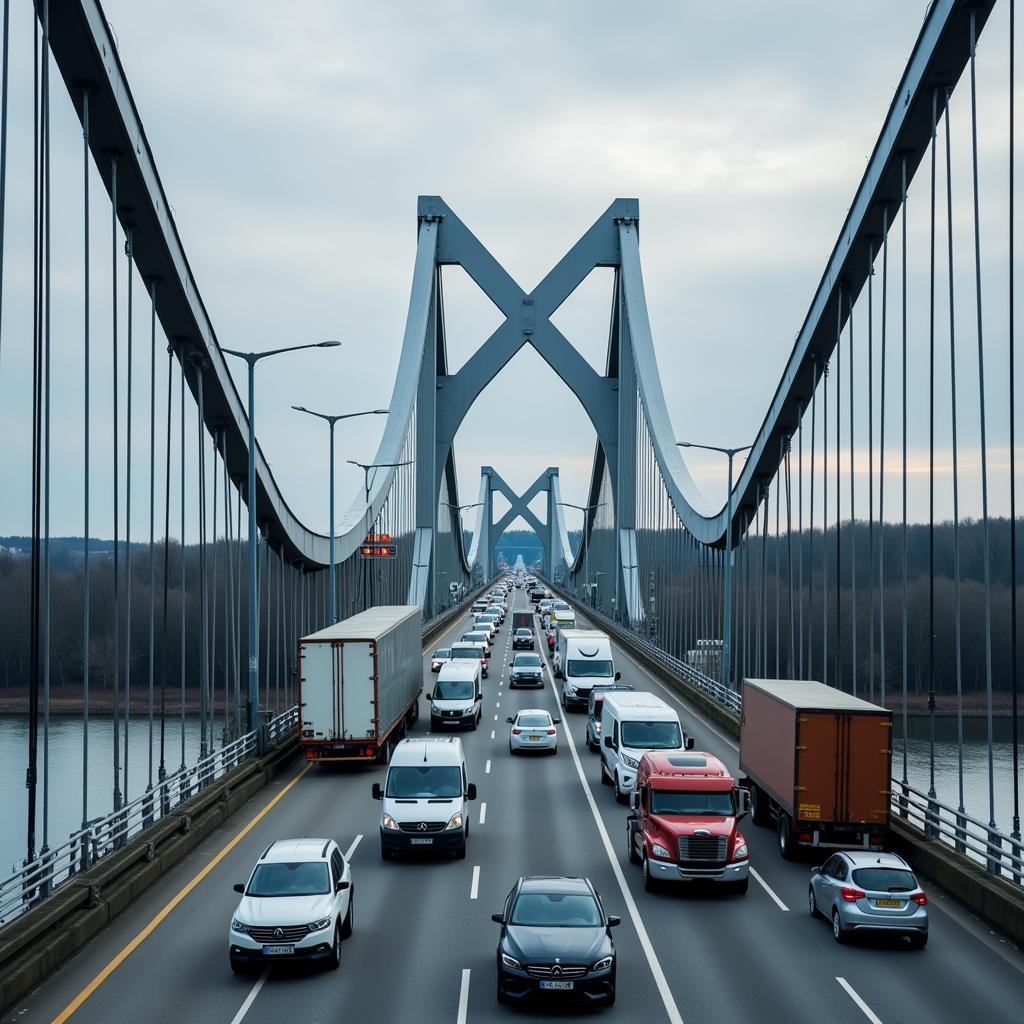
x,y
814,567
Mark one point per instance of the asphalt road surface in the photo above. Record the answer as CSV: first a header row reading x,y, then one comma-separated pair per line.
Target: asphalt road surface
x,y
423,947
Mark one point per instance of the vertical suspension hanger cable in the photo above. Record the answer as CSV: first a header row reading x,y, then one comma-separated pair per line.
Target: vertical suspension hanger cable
x,y
800,537
184,566
931,454
116,659
164,634
87,423
838,673
204,624
810,525
212,651
881,457
152,527
871,471
128,508
47,403
3,152
903,385
853,512
824,522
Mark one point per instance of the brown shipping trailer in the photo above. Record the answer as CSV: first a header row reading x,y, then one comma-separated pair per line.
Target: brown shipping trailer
x,y
818,762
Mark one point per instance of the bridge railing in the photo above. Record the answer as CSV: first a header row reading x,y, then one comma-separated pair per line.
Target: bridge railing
x,y
999,852
36,880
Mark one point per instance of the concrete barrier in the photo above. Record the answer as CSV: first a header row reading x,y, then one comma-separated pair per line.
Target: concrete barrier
x,y
44,937
995,900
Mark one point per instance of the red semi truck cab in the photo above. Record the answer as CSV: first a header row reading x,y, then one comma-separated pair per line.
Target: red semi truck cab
x,y
684,826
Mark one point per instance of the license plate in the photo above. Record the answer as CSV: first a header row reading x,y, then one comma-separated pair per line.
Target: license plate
x,y
889,903
534,739
421,840
559,986
278,950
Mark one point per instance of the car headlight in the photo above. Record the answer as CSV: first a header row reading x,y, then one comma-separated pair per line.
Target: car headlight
x,y
604,963
659,851
740,852
240,927
318,926
388,822
455,821
628,761
511,961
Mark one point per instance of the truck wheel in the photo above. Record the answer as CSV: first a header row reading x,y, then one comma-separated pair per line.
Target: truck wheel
x,y
787,843
634,857
760,811
651,884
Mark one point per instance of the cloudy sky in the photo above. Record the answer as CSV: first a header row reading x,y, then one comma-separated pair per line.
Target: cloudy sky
x,y
293,141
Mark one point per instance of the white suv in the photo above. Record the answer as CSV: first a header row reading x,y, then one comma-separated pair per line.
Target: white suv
x,y
297,905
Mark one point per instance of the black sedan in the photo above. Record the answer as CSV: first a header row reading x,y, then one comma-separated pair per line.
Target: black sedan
x,y
555,943
523,638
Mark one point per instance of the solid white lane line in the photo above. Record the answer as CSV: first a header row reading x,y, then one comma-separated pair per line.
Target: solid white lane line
x,y
768,889
250,998
674,1016
483,812
463,997
474,886
865,1009
487,767
352,848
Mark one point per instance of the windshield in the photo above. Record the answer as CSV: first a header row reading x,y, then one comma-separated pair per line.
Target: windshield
x,y
473,653
717,804
533,721
443,652
885,879
422,781
453,689
476,638
527,661
556,910
560,606
597,668
651,735
308,878
523,632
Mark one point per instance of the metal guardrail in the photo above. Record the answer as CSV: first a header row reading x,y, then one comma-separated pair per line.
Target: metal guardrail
x,y
1000,853
36,880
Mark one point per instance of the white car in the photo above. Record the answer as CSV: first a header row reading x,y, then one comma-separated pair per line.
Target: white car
x,y
440,657
297,905
533,729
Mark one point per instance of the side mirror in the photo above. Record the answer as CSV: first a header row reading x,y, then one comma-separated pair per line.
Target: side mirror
x,y
498,918
377,794
510,720
430,696
614,921
689,743
608,743
634,799
556,721
342,886
816,870
511,664
471,791
239,887
618,676
744,802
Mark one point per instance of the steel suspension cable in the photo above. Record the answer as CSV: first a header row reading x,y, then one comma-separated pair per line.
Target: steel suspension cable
x,y
791,668
800,535
903,383
164,635
181,710
778,563
117,496
824,523
871,471
839,504
128,512
931,458
3,152
204,617
87,422
853,516
212,655
152,525
47,404
1014,683
881,459
810,526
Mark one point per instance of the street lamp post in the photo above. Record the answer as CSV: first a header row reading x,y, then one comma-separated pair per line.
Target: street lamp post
x,y
586,551
366,467
730,453
251,359
458,512
331,420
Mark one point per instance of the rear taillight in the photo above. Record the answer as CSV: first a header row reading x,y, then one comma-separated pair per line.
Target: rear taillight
x,y
551,732
851,895
920,899
516,732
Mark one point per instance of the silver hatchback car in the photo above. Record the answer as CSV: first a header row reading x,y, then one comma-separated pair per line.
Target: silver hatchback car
x,y
862,891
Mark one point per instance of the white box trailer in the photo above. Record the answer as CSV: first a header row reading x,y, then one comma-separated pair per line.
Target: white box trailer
x,y
359,684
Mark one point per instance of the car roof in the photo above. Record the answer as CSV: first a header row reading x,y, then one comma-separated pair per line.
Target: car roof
x,y
459,670
692,763
432,749
533,711
868,859
304,849
555,883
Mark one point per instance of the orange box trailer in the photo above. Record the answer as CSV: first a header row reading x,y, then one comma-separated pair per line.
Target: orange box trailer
x,y
818,762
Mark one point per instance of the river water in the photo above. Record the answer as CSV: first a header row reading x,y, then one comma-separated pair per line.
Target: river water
x,y
66,774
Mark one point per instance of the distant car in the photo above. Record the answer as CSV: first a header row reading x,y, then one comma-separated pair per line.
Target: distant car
x,y
593,732
864,891
555,943
523,638
533,729
486,622
297,905
478,606
536,595
478,636
527,670
439,658
544,607
498,610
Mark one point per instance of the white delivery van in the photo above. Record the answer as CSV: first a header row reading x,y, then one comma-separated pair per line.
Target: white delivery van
x,y
632,724
457,699
582,659
424,799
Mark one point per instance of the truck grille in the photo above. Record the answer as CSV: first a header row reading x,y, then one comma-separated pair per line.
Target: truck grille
x,y
546,972
422,826
706,849
289,933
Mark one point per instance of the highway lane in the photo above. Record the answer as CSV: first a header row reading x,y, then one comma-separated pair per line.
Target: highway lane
x,y
418,929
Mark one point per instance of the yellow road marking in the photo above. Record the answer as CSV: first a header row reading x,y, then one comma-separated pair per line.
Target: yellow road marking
x,y
107,971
